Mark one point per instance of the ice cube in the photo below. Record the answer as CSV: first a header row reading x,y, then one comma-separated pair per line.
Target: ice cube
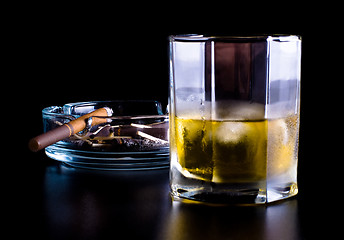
x,y
239,110
231,132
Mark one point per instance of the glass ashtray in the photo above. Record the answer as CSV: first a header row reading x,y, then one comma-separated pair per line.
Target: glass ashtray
x,y
134,137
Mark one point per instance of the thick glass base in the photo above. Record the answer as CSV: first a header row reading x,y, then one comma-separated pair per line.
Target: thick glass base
x,y
243,196
259,192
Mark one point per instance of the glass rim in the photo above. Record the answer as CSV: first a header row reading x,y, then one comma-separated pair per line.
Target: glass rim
x,y
49,111
234,38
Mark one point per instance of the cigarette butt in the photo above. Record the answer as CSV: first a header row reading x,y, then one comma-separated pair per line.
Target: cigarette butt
x,y
145,135
68,129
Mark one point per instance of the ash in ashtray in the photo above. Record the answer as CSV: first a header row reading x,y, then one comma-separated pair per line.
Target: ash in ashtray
x,y
122,138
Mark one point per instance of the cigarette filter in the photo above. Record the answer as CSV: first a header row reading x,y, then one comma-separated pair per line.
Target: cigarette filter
x,y
68,129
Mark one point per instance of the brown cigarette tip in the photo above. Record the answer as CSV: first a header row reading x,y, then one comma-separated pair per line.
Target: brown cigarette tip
x,y
50,137
33,145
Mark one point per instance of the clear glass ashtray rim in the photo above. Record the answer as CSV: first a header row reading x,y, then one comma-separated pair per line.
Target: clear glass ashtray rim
x,y
60,111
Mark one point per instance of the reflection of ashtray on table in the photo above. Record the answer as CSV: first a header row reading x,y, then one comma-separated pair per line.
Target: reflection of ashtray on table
x,y
134,137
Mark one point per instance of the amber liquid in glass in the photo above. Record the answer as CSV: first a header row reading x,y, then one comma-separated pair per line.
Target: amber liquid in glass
x,y
234,151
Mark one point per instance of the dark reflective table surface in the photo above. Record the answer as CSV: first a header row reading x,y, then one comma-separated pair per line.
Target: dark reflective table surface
x,y
55,201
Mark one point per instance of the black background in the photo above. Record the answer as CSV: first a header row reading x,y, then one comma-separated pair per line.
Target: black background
x,y
60,54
